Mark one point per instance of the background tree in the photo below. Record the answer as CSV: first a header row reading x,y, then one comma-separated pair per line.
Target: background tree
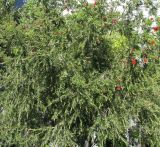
x,y
79,77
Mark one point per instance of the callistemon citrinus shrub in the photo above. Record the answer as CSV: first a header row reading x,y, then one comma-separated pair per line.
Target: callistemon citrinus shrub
x,y
68,79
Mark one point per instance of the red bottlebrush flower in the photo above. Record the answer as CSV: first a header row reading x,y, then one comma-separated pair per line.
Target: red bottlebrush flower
x,y
114,21
152,18
118,88
133,61
156,28
145,60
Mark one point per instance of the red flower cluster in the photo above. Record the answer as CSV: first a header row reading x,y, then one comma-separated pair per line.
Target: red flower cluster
x,y
114,21
152,18
133,61
156,28
118,88
145,60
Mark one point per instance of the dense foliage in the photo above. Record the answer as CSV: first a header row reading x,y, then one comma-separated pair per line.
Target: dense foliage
x,y
85,76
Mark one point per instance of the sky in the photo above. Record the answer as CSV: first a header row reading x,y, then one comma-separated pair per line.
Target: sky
x,y
20,3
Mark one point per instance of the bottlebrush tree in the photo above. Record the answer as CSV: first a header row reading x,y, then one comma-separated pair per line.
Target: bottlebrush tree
x,y
68,80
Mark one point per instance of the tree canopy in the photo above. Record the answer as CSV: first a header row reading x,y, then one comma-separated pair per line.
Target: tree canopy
x,y
85,76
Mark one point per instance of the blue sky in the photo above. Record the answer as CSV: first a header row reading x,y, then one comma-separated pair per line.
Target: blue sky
x,y
19,3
